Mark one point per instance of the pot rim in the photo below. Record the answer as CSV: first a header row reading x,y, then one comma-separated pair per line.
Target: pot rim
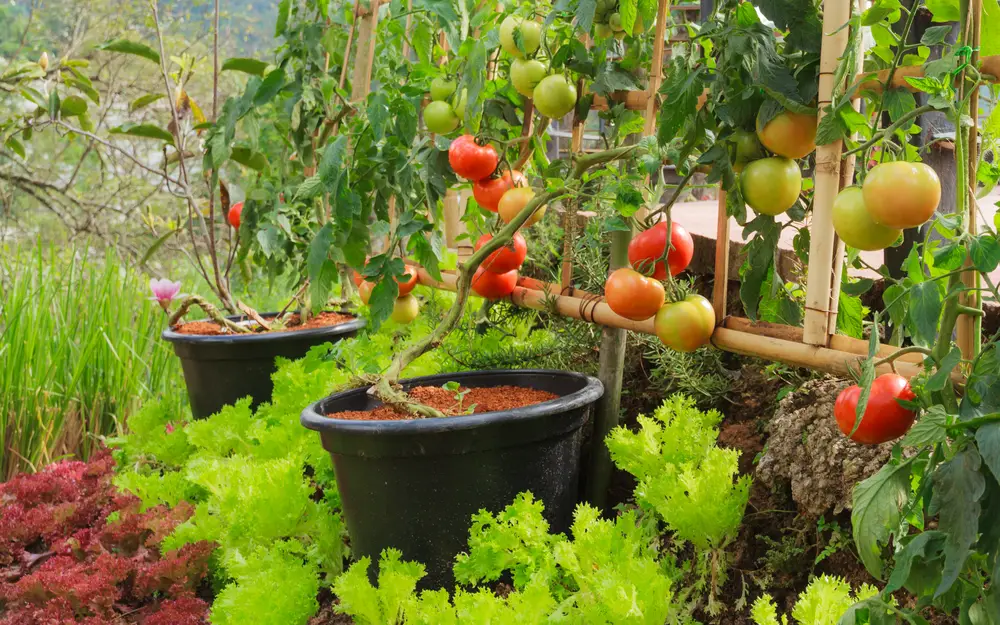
x,y
315,419
266,337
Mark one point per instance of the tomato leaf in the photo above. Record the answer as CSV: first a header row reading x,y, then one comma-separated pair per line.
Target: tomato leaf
x,y
899,102
322,271
284,8
382,301
926,545
310,188
331,165
944,10
925,308
988,439
245,65
428,252
585,14
983,250
931,428
134,48
878,504
958,486
628,9
850,315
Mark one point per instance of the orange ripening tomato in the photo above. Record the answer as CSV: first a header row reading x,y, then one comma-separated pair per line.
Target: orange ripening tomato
x,y
493,285
407,285
507,258
633,295
365,291
514,201
884,419
686,325
489,191
647,247
792,135
901,194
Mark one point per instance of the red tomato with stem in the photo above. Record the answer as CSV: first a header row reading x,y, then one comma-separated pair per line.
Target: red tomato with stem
x,y
508,257
493,285
235,212
406,285
471,160
633,295
648,247
489,191
884,419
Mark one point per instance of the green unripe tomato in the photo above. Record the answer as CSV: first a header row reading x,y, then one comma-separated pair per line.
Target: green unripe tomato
x,y
748,148
554,96
440,117
615,22
442,88
526,74
771,185
602,31
530,30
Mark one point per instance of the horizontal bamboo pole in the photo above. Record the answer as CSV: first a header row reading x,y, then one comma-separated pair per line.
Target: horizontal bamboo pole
x,y
769,341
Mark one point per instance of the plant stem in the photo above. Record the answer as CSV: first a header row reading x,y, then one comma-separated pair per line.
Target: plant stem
x,y
993,417
914,349
888,132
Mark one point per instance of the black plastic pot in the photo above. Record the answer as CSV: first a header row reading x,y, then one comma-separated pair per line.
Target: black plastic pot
x,y
219,370
415,484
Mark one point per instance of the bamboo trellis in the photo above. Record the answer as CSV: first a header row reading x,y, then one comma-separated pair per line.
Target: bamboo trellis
x,y
816,345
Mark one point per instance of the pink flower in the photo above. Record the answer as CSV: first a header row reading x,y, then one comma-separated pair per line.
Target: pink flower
x,y
169,428
164,291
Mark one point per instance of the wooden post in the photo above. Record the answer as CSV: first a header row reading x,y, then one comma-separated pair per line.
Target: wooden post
x,y
823,241
608,411
720,282
569,214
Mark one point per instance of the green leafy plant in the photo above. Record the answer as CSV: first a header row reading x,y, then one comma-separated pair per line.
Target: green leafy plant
x,y
823,602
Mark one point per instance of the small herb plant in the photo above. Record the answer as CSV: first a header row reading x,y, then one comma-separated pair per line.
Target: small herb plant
x,y
456,388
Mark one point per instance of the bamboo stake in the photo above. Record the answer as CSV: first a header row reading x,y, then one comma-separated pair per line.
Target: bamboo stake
x,y
365,60
720,283
823,241
968,328
569,215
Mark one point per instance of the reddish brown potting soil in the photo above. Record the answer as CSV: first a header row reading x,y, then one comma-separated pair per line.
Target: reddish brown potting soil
x,y
322,320
486,399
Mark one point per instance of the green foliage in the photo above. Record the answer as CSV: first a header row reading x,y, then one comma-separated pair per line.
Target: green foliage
x,y
823,602
80,350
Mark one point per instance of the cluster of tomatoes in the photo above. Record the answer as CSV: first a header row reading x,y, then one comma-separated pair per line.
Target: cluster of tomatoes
x,y
894,196
553,94
771,184
885,419
505,194
445,111
407,306
637,292
608,21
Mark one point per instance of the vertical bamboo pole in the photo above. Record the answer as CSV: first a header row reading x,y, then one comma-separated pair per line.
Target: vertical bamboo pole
x,y
720,284
613,341
365,60
569,212
969,329
823,242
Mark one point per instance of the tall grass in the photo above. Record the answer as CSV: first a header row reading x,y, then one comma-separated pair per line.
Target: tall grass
x,y
79,351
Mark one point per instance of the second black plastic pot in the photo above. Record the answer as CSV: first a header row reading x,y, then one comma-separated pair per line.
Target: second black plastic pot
x,y
219,370
415,484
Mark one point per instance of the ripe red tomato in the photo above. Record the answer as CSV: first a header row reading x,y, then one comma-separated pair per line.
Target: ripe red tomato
x,y
405,286
792,135
647,248
901,194
471,160
633,295
685,325
235,211
489,191
507,258
884,419
357,278
493,285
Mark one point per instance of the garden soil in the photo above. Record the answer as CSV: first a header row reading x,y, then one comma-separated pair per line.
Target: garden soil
x,y
454,403
322,320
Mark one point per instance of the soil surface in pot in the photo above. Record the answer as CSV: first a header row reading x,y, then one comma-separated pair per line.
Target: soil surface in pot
x,y
322,320
485,399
